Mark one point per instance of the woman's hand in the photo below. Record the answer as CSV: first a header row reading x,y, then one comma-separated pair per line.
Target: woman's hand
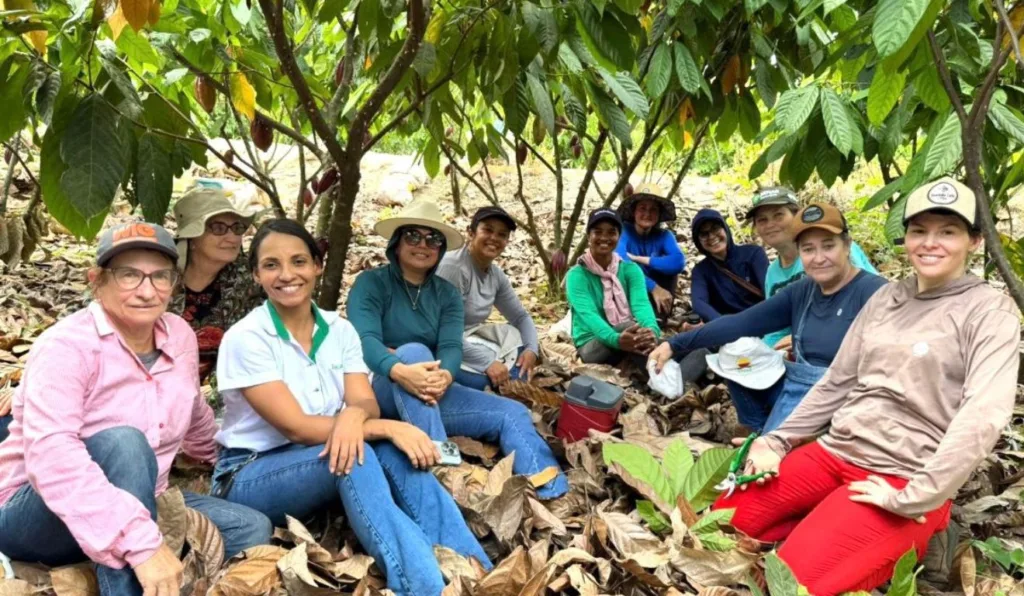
x,y
419,379
637,340
160,575
875,491
497,373
344,446
660,356
662,300
527,361
414,443
760,458
6,399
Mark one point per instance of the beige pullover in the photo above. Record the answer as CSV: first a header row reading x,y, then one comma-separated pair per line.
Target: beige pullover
x,y
921,388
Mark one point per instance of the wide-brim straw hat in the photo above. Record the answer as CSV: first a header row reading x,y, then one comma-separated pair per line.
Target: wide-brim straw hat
x,y
648,191
195,208
421,213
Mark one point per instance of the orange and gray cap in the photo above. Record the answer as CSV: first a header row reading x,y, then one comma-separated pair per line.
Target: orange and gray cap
x,y
118,239
818,215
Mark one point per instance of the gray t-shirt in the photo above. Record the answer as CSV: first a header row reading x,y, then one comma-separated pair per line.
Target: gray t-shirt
x,y
481,291
149,358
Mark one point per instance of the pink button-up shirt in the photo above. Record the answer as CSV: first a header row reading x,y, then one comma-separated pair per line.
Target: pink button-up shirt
x,y
80,379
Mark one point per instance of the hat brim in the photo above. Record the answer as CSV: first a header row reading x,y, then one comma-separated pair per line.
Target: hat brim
x,y
511,223
387,227
768,203
751,379
817,226
605,217
137,244
198,227
667,209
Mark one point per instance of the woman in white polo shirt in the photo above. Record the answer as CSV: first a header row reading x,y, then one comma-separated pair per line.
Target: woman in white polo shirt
x,y
302,428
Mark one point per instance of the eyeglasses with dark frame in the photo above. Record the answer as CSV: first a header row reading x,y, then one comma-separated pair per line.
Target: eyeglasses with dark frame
x,y
130,278
414,237
219,228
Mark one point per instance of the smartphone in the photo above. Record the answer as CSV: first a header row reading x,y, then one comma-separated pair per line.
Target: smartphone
x,y
450,455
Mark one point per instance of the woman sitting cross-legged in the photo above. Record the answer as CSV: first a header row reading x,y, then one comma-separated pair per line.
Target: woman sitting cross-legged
x,y
410,321
820,308
916,398
301,427
611,315
110,394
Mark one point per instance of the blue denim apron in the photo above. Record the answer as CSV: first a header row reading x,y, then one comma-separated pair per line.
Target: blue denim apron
x,y
799,378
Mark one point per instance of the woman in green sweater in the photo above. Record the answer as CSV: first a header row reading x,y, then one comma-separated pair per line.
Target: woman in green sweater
x,y
410,323
611,315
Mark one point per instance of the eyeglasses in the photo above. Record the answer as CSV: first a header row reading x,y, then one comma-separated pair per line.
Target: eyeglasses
x,y
708,232
130,278
413,237
218,228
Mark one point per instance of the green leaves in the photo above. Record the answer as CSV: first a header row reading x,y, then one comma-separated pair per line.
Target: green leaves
x,y
642,466
659,75
677,475
710,469
904,576
541,101
627,91
781,581
153,176
838,123
1007,121
885,91
610,114
606,37
895,20
795,107
946,149
686,69
678,461
96,157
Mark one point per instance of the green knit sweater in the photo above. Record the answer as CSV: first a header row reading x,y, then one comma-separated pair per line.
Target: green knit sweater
x,y
586,299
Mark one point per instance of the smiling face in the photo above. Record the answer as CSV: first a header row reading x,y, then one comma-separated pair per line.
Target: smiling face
x,y
825,256
286,270
135,308
711,235
771,223
420,257
646,215
602,239
939,245
217,249
489,240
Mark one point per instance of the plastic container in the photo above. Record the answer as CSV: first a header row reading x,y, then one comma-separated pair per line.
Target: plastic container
x,y
589,404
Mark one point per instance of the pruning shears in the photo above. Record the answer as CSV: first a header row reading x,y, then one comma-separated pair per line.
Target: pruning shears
x,y
735,479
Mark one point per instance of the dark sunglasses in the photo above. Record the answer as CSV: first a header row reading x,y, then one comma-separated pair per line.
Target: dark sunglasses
x,y
219,228
413,237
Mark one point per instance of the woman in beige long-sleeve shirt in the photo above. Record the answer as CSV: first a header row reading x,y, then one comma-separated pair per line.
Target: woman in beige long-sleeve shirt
x,y
915,399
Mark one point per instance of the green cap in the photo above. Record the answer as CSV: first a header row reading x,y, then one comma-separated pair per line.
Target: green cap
x,y
772,195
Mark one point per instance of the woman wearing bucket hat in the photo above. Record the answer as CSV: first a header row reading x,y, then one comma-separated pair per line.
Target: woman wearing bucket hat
x,y
645,242
411,322
611,315
109,396
914,401
820,308
217,288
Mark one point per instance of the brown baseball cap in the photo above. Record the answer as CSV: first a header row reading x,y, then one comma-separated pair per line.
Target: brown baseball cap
x,y
818,215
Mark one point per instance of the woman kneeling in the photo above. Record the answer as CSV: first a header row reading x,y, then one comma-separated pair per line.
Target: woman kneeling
x,y
110,394
298,408
915,399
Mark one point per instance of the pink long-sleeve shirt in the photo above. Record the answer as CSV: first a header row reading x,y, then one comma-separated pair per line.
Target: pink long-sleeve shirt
x,y
80,379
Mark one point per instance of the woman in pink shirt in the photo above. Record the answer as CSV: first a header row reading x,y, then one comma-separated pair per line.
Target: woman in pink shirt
x,y
109,396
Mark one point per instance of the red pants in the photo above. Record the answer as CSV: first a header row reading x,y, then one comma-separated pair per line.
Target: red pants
x,y
832,544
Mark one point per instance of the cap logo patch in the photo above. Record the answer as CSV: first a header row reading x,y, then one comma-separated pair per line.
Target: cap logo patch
x,y
812,214
138,231
743,363
943,193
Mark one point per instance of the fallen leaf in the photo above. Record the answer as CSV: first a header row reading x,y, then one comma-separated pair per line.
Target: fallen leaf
x,y
539,554
508,577
172,518
710,568
206,542
255,574
502,513
351,569
75,580
632,540
544,476
467,446
543,519
584,583
968,571
569,556
499,475
17,587
296,564
453,564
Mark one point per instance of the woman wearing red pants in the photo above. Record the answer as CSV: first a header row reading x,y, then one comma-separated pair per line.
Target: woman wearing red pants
x,y
915,399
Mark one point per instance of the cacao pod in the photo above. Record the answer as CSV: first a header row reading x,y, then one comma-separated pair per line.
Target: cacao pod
x,y
314,183
575,140
448,170
577,151
8,156
307,197
558,262
324,245
627,191
339,72
206,95
449,131
521,153
327,181
229,157
262,134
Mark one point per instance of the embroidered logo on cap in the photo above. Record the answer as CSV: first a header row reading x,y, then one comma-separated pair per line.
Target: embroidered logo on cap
x,y
943,193
742,362
812,214
138,231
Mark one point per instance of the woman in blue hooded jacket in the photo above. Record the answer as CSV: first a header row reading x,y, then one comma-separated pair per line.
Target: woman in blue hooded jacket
x,y
730,279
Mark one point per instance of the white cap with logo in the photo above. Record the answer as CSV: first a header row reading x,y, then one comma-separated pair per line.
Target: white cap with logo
x,y
749,362
944,194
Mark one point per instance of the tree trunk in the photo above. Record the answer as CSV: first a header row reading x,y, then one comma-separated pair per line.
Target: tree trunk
x,y
340,232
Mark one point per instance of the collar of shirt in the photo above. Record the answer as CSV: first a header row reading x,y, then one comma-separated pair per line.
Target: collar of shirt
x,y
104,328
467,261
273,325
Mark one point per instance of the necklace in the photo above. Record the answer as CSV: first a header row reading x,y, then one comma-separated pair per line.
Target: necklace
x,y
415,300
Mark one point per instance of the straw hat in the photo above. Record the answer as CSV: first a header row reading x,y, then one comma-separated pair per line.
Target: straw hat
x,y
648,191
195,208
421,213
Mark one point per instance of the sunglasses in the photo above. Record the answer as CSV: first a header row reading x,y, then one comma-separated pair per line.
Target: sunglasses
x,y
130,278
219,228
414,237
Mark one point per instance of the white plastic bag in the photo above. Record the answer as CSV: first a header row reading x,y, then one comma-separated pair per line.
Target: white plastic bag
x,y
669,382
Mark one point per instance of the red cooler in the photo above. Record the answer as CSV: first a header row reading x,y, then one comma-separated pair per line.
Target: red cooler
x,y
589,404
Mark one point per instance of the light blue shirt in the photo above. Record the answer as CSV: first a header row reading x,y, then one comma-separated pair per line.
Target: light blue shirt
x,y
779,277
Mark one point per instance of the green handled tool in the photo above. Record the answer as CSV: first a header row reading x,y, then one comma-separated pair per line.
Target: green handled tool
x,y
735,479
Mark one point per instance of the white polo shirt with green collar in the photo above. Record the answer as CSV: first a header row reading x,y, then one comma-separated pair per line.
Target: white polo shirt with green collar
x,y
258,350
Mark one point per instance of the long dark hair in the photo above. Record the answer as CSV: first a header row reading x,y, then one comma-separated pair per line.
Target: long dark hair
x,y
282,226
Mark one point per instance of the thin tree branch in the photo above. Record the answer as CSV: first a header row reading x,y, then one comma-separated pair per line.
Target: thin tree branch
x,y
581,194
402,115
945,77
1001,9
345,87
23,163
697,140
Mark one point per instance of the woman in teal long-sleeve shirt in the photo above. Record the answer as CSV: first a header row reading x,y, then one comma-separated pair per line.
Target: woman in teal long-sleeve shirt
x,y
611,314
410,323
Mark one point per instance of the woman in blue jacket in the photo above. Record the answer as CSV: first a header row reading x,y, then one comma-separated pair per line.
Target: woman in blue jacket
x,y
730,279
645,242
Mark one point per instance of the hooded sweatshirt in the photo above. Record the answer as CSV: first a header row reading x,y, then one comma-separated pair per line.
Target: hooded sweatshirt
x,y
713,293
921,388
667,261
380,307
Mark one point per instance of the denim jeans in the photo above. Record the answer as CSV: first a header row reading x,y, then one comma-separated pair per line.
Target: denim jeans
x,y
30,532
397,512
480,381
764,410
5,421
467,412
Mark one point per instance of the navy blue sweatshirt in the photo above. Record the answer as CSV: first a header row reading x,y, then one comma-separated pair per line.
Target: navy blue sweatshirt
x,y
713,293
667,261
828,318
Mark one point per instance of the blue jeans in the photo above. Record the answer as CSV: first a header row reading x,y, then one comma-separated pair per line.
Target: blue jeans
x,y
764,410
5,421
467,412
397,512
480,381
30,532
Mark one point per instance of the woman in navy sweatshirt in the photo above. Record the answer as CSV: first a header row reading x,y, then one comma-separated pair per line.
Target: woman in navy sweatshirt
x,y
730,279
645,242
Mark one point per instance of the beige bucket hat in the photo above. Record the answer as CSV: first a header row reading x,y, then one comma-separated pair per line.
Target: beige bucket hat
x,y
195,208
423,213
